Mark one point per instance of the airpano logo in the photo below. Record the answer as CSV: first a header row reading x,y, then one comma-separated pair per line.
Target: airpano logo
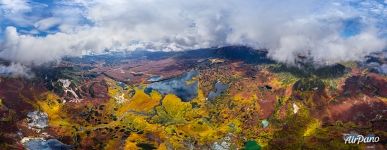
x,y
354,138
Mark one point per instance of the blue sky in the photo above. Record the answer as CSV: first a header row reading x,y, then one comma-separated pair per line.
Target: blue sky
x,y
328,29
26,21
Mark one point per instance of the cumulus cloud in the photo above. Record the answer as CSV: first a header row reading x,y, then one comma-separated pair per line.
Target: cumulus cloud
x,y
286,28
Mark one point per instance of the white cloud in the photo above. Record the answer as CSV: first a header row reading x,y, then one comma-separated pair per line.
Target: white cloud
x,y
15,6
33,50
14,10
15,70
287,28
47,23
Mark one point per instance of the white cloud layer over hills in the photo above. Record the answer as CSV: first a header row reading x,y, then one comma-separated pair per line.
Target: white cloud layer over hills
x,y
286,28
